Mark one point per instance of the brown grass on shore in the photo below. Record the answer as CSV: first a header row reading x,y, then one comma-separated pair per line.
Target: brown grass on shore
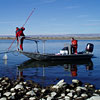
x,y
55,38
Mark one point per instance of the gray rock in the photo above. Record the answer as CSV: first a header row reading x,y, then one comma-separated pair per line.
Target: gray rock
x,y
53,94
70,94
12,89
75,81
19,86
94,98
32,98
84,95
31,93
3,98
7,94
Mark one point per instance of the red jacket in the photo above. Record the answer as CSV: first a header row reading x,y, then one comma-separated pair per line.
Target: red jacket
x,y
19,32
74,43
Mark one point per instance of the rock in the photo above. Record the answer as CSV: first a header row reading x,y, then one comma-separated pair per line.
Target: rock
x,y
80,88
6,79
63,95
35,89
31,93
12,89
94,98
0,78
3,81
32,98
60,84
7,94
70,94
67,98
43,90
3,98
75,81
67,90
75,96
19,86
84,95
49,98
53,94
1,89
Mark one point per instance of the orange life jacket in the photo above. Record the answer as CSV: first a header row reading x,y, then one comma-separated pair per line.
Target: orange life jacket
x,y
74,42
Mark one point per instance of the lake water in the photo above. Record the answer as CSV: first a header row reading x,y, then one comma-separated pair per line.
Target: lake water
x,y
47,73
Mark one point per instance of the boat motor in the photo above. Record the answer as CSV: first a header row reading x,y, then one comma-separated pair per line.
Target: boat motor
x,y
89,48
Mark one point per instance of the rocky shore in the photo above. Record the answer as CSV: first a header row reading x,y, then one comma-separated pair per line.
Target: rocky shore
x,y
29,90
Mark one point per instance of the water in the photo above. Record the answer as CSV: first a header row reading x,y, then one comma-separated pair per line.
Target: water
x,y
46,73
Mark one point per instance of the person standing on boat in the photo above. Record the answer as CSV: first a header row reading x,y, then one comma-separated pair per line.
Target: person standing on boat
x,y
74,45
20,37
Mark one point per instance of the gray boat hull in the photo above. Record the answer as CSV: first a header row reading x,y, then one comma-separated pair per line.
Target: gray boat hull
x,y
39,56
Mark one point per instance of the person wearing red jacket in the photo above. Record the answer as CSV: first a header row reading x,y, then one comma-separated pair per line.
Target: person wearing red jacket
x,y
74,45
20,37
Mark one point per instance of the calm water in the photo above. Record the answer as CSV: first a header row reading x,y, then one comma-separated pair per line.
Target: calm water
x,y
47,73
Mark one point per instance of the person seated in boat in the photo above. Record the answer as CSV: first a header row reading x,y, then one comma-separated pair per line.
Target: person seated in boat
x,y
74,45
20,37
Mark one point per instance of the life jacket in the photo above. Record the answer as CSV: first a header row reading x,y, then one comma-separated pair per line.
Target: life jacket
x,y
19,32
74,42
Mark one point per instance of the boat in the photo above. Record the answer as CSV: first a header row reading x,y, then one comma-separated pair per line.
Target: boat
x,y
65,54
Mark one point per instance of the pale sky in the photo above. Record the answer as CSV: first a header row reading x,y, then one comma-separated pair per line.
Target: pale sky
x,y
50,16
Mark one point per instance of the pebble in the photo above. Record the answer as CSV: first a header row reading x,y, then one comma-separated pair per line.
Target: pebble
x,y
7,94
70,94
32,98
3,98
75,81
29,90
30,93
19,86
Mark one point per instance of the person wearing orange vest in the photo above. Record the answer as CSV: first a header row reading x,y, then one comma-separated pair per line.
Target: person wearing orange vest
x,y
20,37
74,45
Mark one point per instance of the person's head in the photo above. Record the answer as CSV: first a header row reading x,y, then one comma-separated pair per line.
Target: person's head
x,y
17,28
72,38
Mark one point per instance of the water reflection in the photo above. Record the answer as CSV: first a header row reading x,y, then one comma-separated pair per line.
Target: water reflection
x,y
67,66
5,61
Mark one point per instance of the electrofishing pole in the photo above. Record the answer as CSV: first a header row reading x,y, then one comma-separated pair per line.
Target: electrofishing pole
x,y
23,25
28,17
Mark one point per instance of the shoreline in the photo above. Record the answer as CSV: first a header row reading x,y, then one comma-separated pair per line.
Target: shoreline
x,y
29,90
53,38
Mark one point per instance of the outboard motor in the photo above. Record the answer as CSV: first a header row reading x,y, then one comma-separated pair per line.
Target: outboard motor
x,y
89,47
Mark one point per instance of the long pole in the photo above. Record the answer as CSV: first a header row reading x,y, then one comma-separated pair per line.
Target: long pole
x,y
28,17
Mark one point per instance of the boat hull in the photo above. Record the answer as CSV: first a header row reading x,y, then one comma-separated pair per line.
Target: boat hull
x,y
38,56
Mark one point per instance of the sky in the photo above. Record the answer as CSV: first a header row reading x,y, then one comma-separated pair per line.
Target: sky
x,y
50,17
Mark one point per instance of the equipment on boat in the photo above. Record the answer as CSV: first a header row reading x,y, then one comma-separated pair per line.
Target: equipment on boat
x,y
89,47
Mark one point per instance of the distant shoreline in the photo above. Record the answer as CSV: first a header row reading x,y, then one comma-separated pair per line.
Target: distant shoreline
x,y
54,38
